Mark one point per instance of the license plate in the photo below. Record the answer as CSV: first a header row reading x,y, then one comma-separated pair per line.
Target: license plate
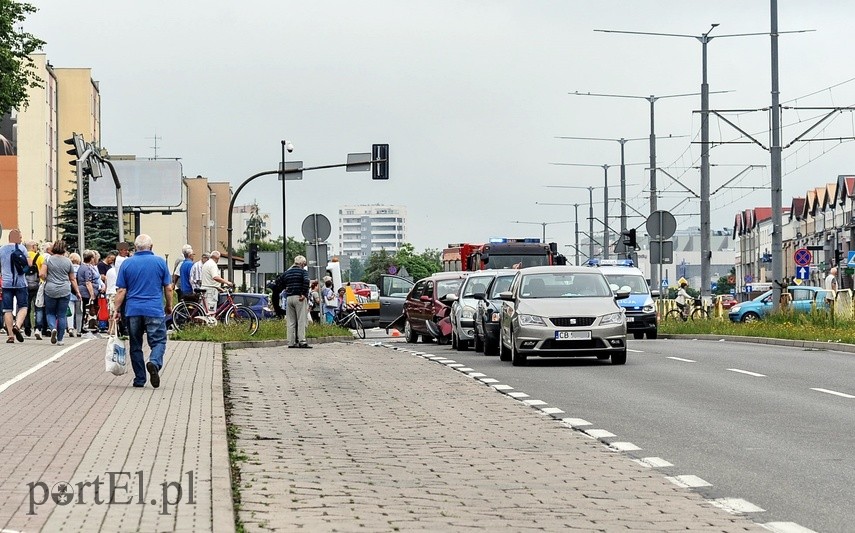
x,y
572,335
630,319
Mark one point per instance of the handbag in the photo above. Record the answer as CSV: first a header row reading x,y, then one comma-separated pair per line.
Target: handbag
x,y
115,360
40,296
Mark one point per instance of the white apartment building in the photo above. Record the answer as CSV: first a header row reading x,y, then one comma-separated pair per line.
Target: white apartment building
x,y
363,229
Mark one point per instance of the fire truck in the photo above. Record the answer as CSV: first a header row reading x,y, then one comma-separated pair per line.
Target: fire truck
x,y
499,254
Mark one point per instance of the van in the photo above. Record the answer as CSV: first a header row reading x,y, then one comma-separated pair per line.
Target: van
x,y
640,309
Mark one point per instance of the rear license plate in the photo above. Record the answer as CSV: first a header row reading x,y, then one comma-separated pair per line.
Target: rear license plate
x,y
630,319
572,335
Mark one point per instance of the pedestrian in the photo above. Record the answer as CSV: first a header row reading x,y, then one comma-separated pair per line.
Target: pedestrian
x,y
112,277
106,264
330,301
186,293
41,329
831,290
211,281
57,273
87,282
142,286
297,288
31,324
75,303
314,302
196,271
13,265
124,251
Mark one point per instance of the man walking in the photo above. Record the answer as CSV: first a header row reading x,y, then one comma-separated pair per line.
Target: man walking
x,y
297,313
831,290
13,265
142,285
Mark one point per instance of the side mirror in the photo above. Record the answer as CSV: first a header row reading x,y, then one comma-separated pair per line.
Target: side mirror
x,y
621,295
654,293
507,296
478,296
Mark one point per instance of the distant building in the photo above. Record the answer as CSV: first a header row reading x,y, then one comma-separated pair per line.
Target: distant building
x,y
241,215
363,229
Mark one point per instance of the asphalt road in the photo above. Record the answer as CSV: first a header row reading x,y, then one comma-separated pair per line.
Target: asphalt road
x,y
766,424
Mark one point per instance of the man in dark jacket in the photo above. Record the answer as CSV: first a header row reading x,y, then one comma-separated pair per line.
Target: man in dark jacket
x,y
296,287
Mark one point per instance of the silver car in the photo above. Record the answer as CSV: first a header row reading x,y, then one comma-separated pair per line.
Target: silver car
x,y
463,308
562,311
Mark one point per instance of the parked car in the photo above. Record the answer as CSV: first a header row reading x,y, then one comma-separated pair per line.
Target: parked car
x,y
464,305
562,311
727,301
259,303
488,315
391,294
426,309
803,298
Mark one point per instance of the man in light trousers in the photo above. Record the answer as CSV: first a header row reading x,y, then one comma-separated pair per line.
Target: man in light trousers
x,y
297,312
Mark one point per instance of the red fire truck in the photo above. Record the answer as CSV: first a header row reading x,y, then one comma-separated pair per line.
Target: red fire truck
x,y
499,254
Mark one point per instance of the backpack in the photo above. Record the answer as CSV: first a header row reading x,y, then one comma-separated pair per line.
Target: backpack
x,y
33,274
20,265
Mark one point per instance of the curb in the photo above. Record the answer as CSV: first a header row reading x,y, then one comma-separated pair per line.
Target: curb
x,y
814,345
238,345
223,514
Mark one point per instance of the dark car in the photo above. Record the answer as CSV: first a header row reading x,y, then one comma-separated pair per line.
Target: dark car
x,y
488,315
425,313
393,293
259,303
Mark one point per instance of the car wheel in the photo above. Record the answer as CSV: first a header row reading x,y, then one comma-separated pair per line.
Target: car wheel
x,y
454,342
653,334
462,346
750,317
619,358
427,338
491,347
638,335
479,344
517,358
442,340
410,335
504,353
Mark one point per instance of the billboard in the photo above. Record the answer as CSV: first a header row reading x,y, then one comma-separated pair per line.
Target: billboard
x,y
146,183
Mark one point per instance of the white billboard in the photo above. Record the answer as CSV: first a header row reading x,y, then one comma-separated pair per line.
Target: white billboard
x,y
145,183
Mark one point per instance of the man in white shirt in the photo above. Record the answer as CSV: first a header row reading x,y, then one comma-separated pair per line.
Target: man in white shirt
x,y
196,271
211,281
831,289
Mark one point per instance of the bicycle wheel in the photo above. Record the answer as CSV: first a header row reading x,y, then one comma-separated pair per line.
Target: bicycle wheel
x,y
186,314
356,323
244,317
674,315
700,313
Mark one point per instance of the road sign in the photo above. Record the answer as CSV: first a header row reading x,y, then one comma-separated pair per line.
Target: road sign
x,y
316,227
748,278
748,288
803,272
665,283
850,261
663,255
661,225
291,165
802,257
392,270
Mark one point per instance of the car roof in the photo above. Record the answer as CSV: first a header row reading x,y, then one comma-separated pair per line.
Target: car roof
x,y
440,276
566,269
620,270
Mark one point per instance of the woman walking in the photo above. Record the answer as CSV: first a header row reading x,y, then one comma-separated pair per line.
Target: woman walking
x,y
60,282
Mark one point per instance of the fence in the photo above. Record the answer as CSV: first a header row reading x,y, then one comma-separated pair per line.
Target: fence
x,y
844,305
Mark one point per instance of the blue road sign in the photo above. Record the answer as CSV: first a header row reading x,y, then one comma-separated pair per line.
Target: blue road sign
x,y
733,291
713,286
665,282
802,257
748,279
803,272
850,261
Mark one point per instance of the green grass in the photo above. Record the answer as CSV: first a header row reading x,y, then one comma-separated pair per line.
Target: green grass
x,y
816,326
267,330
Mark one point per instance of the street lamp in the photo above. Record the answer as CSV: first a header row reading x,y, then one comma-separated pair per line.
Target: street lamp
x,y
286,147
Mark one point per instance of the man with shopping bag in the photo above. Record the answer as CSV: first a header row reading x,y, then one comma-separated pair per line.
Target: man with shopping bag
x,y
143,282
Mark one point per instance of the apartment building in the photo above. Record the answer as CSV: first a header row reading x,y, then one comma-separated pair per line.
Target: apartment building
x,y
363,229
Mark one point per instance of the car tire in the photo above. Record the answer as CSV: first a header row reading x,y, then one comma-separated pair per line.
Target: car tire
x,y
638,335
517,358
478,344
455,344
749,317
410,335
491,348
619,358
653,334
427,338
504,353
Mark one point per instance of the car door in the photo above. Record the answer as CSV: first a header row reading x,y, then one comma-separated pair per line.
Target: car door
x,y
423,308
392,297
802,299
508,308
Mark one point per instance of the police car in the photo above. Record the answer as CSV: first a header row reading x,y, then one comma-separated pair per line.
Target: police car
x,y
639,307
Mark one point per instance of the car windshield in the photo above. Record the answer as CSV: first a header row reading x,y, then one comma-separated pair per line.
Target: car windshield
x,y
446,287
476,285
564,285
636,283
767,294
517,261
502,284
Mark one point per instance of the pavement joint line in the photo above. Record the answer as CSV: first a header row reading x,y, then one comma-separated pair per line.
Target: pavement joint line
x,y
688,481
736,505
41,365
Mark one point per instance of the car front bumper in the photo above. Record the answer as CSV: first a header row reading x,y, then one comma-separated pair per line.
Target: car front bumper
x,y
465,329
640,322
540,341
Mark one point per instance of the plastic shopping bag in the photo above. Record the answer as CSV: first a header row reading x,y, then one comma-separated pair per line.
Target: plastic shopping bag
x,y
115,359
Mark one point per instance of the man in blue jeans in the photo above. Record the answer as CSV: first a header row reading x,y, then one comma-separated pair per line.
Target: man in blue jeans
x,y
143,283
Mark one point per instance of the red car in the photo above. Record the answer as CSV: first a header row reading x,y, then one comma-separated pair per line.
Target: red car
x,y
425,312
728,301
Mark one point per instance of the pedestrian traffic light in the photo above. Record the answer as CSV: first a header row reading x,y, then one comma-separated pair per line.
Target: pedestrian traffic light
x,y
380,161
629,238
252,260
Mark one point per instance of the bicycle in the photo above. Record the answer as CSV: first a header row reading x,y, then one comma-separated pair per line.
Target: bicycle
x,y
350,320
697,312
188,313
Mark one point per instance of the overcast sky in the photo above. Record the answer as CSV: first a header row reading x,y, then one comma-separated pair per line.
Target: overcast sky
x,y
470,96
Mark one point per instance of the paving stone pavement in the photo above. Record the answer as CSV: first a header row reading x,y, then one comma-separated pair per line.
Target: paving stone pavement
x,y
64,420
350,437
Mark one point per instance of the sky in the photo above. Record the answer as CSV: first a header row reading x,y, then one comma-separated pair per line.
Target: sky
x,y
471,97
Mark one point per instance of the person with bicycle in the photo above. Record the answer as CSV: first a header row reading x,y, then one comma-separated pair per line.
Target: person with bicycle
x,y
211,281
683,299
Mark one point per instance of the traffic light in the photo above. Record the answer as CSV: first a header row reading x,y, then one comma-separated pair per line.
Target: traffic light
x,y
838,257
252,260
629,239
380,161
91,166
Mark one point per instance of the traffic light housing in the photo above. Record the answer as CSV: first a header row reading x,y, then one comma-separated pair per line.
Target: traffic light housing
x,y
91,166
252,259
838,257
380,161
629,238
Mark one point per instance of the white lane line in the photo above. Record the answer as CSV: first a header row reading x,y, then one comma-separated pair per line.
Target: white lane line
x,y
456,365
503,387
534,402
688,481
786,527
653,462
634,351
747,373
600,433
624,446
488,380
683,360
518,395
466,369
736,505
841,394
575,422
44,363
552,410
476,375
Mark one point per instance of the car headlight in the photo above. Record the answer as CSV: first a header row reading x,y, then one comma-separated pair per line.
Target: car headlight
x,y
531,320
648,309
468,313
734,309
614,318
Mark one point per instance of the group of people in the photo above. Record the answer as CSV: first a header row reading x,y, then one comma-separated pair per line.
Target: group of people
x,y
199,277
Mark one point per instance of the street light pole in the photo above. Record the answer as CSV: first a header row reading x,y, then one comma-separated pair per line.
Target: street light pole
x,y
775,152
284,219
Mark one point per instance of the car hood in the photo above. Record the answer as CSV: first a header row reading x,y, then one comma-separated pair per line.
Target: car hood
x,y
567,306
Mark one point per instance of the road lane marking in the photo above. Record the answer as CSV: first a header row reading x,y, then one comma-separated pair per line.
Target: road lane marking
x,y
634,351
683,360
786,527
653,462
755,374
736,505
599,433
534,402
841,394
688,481
503,387
518,395
552,410
624,446
43,364
575,422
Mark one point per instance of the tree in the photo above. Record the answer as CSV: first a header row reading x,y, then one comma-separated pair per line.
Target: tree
x,y
255,230
357,270
17,68
101,223
726,283
378,264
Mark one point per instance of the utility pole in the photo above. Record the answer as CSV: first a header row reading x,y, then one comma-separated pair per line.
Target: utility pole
x,y
590,215
775,152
